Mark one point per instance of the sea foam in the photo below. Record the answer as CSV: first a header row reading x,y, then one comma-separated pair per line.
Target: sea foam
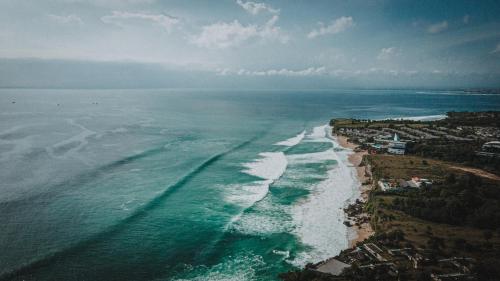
x,y
319,218
270,166
293,141
318,134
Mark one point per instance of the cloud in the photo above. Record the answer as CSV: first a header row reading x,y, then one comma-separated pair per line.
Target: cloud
x,y
343,73
120,18
339,25
322,71
66,19
438,27
387,53
311,71
255,8
223,35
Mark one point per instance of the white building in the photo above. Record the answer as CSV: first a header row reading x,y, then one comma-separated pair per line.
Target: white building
x,y
396,146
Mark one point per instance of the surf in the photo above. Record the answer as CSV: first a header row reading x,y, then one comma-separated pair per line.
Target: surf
x,y
319,217
113,230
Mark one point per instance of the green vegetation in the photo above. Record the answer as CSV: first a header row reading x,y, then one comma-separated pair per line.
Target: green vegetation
x,y
467,200
489,118
457,138
457,216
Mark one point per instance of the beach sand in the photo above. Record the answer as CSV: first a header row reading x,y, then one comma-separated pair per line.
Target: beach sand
x,y
364,230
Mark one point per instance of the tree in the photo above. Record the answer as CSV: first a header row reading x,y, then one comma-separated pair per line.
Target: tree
x,y
450,178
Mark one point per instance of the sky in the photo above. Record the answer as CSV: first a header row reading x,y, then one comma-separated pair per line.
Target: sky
x,y
250,44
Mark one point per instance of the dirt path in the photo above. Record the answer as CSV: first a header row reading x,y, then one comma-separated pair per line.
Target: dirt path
x,y
477,172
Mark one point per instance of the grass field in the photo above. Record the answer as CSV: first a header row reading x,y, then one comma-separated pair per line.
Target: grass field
x,y
478,243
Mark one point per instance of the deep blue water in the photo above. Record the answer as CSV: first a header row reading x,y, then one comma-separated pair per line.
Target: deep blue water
x,y
181,184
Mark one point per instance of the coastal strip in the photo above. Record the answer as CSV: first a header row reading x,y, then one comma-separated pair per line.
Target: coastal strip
x,y
419,202
361,228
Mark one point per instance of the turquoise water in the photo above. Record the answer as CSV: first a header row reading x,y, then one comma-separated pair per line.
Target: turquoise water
x,y
181,185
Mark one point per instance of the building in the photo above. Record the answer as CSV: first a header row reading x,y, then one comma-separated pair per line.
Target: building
x,y
396,146
417,182
384,185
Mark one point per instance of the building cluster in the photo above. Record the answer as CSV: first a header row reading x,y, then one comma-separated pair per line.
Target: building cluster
x,y
393,137
377,141
389,262
392,184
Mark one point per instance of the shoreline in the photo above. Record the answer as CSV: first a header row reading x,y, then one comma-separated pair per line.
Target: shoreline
x,y
363,230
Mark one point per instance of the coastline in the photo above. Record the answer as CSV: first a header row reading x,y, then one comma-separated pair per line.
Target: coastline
x,y
363,229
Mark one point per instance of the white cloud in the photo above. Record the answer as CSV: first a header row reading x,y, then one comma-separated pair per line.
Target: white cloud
x,y
320,71
496,50
255,8
373,71
311,71
387,53
438,27
223,35
337,26
66,19
120,18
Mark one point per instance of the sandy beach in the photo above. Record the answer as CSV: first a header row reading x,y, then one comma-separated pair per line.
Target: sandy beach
x,y
364,230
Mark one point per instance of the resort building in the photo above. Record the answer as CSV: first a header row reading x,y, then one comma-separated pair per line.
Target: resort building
x,y
396,146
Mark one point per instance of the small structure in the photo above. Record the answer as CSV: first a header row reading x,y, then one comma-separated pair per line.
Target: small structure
x,y
418,182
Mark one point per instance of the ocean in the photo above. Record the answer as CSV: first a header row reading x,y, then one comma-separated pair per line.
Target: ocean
x,y
183,184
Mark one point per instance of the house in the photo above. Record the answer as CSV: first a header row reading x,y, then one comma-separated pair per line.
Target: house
x,y
418,182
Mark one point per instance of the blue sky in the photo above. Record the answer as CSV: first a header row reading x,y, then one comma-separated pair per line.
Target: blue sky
x,y
256,44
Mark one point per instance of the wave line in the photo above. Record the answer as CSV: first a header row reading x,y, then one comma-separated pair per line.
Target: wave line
x,y
121,225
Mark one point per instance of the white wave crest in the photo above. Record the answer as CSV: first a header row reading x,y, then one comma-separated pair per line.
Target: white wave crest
x,y
292,141
320,134
247,195
315,157
238,268
319,218
270,166
420,118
